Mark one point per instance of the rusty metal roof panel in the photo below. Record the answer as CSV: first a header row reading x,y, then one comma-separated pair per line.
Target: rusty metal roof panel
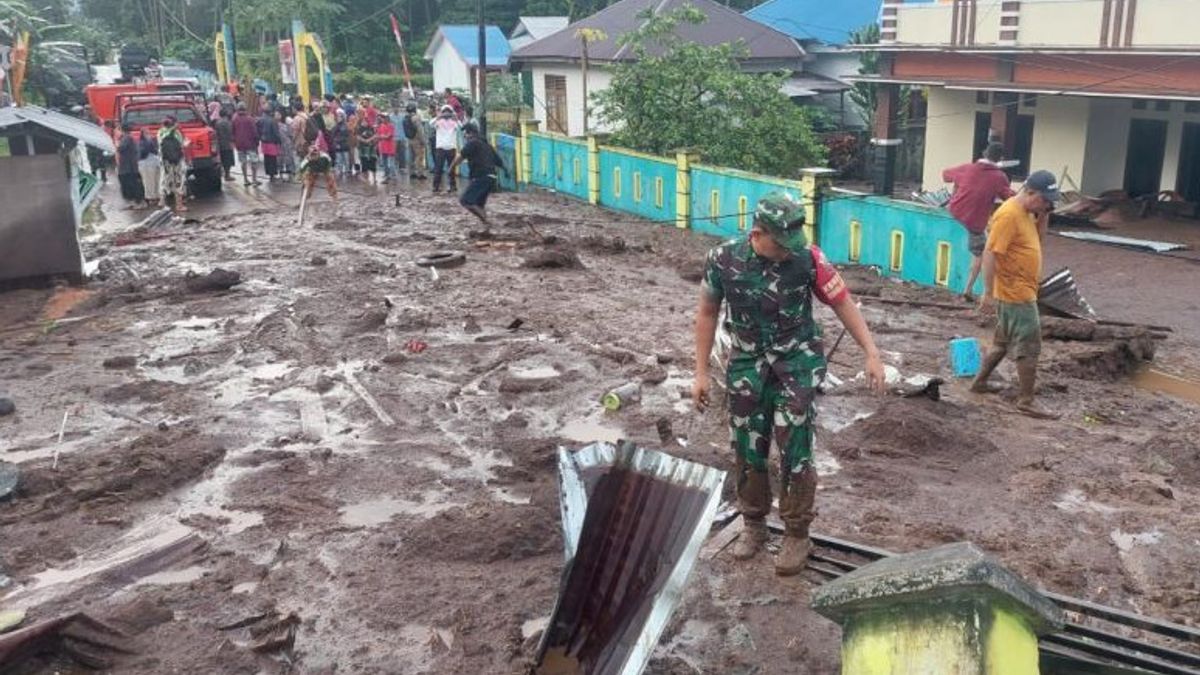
x,y
633,522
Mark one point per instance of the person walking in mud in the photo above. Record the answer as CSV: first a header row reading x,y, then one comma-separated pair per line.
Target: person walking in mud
x,y
318,165
482,160
1012,269
977,187
767,281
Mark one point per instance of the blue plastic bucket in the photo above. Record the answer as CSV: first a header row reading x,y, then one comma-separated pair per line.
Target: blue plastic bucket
x,y
965,357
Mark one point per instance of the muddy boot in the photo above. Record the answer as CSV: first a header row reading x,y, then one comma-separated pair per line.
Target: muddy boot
x,y
793,555
751,539
1027,375
980,385
797,509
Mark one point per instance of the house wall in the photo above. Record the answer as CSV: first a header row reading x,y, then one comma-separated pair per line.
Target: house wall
x,y
38,229
598,79
1060,134
449,69
837,64
949,132
1108,141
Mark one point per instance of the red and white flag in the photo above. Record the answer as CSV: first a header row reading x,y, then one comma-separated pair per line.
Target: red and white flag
x,y
403,56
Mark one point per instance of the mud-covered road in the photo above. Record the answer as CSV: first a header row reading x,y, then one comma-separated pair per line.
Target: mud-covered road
x,y
327,496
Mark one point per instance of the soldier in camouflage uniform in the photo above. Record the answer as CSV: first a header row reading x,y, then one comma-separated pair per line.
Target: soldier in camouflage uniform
x,y
768,281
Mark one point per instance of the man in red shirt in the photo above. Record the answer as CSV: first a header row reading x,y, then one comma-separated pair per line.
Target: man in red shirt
x,y
977,188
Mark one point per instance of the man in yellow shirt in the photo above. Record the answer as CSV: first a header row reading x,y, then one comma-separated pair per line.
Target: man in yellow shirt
x,y
1012,271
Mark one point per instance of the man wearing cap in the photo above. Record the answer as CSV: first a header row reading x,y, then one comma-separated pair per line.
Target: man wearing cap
x,y
1012,270
768,281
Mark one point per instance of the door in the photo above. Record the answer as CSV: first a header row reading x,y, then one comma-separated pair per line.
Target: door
x,y
1188,183
556,103
1144,158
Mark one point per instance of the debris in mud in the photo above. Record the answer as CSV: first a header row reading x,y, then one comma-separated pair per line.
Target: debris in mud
x,y
395,358
601,244
471,326
215,281
416,346
514,325
367,322
120,362
10,475
1116,360
442,259
278,634
1089,331
553,258
526,385
318,261
665,432
7,407
85,640
11,619
929,387
324,383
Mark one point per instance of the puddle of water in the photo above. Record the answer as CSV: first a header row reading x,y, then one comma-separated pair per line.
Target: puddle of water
x,y
374,512
1074,501
533,372
168,577
591,429
1125,541
1158,381
245,587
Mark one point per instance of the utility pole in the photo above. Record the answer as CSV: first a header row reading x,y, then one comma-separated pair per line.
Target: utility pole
x,y
482,73
585,36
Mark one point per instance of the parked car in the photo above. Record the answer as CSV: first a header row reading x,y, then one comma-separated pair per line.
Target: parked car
x,y
133,60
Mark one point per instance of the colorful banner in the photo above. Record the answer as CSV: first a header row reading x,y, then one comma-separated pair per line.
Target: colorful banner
x,y
287,61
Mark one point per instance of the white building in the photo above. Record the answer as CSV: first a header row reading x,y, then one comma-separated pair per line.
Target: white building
x,y
454,53
555,61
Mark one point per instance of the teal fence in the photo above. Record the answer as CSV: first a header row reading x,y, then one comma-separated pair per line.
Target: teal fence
x,y
637,183
917,243
506,147
911,241
559,163
723,200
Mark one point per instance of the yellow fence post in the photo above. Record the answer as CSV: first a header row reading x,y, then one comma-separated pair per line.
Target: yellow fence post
x,y
683,187
593,149
528,128
813,181
943,611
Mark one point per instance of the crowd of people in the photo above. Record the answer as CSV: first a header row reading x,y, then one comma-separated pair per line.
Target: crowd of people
x,y
262,136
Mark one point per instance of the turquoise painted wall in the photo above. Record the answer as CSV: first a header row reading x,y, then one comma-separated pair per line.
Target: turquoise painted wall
x,y
922,229
560,164
732,216
506,147
630,169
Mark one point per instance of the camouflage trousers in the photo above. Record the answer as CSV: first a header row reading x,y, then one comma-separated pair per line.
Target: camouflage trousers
x,y
771,397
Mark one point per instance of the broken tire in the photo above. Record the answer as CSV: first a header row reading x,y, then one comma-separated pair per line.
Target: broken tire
x,y
442,259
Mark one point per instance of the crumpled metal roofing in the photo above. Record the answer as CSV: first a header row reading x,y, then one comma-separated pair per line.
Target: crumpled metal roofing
x,y
65,125
633,523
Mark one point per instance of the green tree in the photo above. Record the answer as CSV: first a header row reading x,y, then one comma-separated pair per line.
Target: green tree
x,y
678,94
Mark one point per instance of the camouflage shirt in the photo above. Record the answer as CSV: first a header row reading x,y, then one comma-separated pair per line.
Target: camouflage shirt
x,y
770,304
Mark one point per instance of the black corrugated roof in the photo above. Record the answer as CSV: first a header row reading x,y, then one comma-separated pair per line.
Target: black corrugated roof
x,y
724,25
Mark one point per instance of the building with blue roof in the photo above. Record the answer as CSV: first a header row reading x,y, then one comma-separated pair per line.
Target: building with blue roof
x,y
830,23
454,54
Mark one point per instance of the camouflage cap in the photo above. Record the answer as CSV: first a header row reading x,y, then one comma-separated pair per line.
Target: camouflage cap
x,y
783,217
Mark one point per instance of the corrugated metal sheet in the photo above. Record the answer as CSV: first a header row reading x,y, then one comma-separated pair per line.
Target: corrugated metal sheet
x,y
633,523
723,25
465,40
58,123
1060,294
829,22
